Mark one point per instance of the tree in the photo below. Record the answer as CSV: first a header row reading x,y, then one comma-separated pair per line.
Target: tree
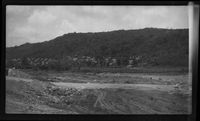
x,y
25,63
9,64
66,63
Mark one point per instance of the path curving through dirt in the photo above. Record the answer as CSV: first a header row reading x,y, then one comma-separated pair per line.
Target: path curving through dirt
x,y
108,85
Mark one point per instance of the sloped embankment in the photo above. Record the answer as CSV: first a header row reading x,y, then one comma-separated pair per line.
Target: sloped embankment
x,y
18,73
32,97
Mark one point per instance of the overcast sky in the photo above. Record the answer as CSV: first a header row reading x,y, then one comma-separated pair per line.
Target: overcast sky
x,y
41,23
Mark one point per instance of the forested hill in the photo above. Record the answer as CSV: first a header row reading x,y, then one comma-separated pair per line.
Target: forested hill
x,y
169,46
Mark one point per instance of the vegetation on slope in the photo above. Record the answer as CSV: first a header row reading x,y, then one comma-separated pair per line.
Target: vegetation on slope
x,y
168,46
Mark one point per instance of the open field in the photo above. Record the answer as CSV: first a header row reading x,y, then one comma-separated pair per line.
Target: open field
x,y
51,92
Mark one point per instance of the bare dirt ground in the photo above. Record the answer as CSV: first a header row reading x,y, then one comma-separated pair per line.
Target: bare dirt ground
x,y
101,93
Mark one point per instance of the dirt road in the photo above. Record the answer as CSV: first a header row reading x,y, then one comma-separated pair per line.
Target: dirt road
x,y
122,86
146,96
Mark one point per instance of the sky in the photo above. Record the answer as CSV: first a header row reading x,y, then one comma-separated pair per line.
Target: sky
x,y
42,23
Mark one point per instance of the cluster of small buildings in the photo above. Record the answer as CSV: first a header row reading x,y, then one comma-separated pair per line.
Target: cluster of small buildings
x,y
107,61
18,62
83,61
39,61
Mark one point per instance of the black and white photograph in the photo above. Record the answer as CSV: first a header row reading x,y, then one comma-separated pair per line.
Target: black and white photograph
x,y
98,59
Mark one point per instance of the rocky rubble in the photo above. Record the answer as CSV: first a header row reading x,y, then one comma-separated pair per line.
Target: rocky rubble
x,y
62,96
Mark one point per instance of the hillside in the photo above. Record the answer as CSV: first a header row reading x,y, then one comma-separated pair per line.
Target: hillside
x,y
168,46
